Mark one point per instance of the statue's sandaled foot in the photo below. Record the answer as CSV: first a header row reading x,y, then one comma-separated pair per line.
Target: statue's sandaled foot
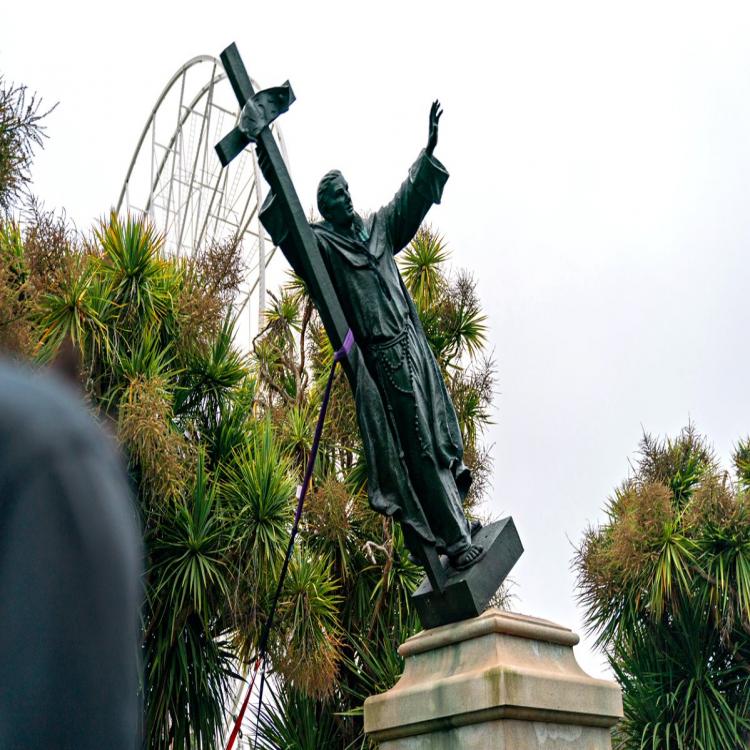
x,y
474,527
469,557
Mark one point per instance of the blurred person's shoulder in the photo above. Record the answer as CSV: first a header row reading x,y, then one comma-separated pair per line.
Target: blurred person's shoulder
x,y
42,416
70,572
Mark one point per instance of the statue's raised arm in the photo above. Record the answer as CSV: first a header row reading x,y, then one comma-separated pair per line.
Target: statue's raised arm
x,y
436,112
422,188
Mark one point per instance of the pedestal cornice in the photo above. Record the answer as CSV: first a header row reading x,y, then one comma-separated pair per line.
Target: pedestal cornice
x,y
498,666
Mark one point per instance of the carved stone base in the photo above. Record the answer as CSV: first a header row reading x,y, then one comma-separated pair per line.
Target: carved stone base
x,y
501,681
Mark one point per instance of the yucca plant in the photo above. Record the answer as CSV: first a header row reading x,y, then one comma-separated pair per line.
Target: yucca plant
x,y
121,304
291,719
72,312
142,283
213,370
666,587
421,266
189,665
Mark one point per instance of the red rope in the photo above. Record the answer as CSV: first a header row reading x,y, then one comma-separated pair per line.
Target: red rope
x,y
241,715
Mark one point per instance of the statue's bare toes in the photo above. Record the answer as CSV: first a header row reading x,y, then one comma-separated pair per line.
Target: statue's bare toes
x,y
468,558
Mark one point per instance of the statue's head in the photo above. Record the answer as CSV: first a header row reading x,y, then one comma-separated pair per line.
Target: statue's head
x,y
334,201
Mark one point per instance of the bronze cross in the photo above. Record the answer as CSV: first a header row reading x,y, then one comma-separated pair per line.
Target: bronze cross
x,y
309,262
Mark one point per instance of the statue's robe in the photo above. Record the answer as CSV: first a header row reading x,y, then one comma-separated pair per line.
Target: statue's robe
x,y
379,309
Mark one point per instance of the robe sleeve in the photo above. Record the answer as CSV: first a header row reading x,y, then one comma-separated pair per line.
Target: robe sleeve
x,y
272,218
422,188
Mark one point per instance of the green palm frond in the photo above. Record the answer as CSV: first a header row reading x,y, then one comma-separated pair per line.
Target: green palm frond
x,y
211,373
421,267
284,312
673,571
189,555
290,719
680,689
462,323
147,358
297,430
235,426
724,560
469,330
454,323
306,646
741,460
188,660
310,598
188,688
378,669
258,491
681,462
295,286
74,312
143,283
666,586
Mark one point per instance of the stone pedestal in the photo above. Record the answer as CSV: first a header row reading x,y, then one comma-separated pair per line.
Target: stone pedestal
x,y
499,681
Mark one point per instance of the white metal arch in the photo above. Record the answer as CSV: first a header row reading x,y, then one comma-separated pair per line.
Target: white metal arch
x,y
175,178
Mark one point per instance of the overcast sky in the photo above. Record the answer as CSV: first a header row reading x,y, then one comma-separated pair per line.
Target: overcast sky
x,y
600,162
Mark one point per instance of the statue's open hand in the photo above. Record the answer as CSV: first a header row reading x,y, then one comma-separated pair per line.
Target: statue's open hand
x,y
436,112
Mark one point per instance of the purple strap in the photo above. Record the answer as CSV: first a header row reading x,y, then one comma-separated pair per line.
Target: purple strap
x,y
338,355
346,347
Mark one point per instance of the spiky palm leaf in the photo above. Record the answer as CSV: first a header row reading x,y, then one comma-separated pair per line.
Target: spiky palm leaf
x,y
421,267
140,279
306,647
212,371
188,662
235,426
259,490
681,689
293,721
73,312
188,687
189,555
741,460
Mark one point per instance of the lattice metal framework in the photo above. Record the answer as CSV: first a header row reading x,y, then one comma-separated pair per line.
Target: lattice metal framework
x,y
175,177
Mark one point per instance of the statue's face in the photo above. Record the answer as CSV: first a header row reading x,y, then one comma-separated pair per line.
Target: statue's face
x,y
339,208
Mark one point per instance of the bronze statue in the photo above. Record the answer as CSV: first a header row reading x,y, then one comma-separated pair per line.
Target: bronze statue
x,y
411,437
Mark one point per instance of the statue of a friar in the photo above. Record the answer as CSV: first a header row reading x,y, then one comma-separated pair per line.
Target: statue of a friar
x,y
410,432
